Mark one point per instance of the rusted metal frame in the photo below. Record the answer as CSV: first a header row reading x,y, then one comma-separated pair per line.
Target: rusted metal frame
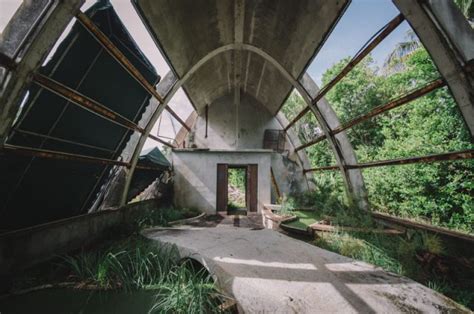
x,y
320,169
51,26
115,52
405,223
381,109
161,141
393,104
392,25
51,154
88,104
53,138
147,168
451,156
459,155
44,153
7,62
312,142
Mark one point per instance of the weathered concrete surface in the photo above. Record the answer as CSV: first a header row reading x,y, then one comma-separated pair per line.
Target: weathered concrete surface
x,y
290,31
195,179
268,272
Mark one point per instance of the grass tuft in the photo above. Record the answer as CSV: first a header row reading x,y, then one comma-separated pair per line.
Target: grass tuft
x,y
137,264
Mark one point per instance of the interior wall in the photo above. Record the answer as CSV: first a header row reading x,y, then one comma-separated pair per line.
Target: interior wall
x,y
195,181
233,126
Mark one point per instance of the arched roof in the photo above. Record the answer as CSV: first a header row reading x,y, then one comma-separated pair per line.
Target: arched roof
x,y
291,32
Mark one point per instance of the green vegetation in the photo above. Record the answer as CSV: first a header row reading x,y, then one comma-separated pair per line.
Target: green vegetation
x,y
237,188
438,193
305,218
162,217
421,257
135,264
131,264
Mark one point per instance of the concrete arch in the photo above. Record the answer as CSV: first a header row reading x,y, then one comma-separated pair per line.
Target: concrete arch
x,y
340,145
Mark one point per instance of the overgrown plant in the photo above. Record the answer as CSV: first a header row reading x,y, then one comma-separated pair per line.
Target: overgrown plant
x,y
188,292
137,264
408,257
162,217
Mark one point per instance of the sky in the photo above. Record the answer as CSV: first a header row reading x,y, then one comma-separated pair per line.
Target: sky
x,y
361,20
359,23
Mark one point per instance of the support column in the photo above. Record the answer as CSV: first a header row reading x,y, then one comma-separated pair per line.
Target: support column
x,y
340,144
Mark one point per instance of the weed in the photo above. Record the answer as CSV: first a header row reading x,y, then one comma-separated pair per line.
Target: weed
x,y
187,292
432,243
137,264
288,205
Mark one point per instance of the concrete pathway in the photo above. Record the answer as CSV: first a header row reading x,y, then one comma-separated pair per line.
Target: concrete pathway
x,y
268,272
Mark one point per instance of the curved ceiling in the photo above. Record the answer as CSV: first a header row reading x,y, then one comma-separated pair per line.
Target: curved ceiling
x,y
290,31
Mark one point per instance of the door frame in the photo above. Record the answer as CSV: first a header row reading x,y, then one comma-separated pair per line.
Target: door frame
x,y
222,186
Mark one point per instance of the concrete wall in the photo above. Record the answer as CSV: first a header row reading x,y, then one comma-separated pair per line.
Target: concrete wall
x,y
195,182
232,127
26,247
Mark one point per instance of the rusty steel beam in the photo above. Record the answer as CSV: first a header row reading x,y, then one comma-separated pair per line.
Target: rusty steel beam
x,y
380,109
393,104
321,169
50,154
7,62
115,52
451,156
147,168
89,104
394,23
161,141
460,155
85,102
53,138
311,143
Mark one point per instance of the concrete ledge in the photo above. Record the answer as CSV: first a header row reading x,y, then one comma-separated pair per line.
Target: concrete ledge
x,y
274,221
187,220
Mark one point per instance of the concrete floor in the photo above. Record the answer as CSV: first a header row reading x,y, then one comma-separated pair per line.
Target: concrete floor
x,y
268,272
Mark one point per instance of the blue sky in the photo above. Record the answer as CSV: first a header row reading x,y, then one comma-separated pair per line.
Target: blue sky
x,y
361,20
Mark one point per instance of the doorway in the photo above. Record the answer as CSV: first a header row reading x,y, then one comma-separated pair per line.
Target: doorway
x,y
237,188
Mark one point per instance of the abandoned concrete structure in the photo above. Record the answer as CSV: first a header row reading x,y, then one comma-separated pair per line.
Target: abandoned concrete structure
x,y
65,133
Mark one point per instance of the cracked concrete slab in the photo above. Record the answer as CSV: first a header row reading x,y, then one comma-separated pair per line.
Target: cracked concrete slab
x,y
268,272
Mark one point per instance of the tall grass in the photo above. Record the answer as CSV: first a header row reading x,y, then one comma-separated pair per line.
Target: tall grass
x,y
187,292
137,264
404,256
131,265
